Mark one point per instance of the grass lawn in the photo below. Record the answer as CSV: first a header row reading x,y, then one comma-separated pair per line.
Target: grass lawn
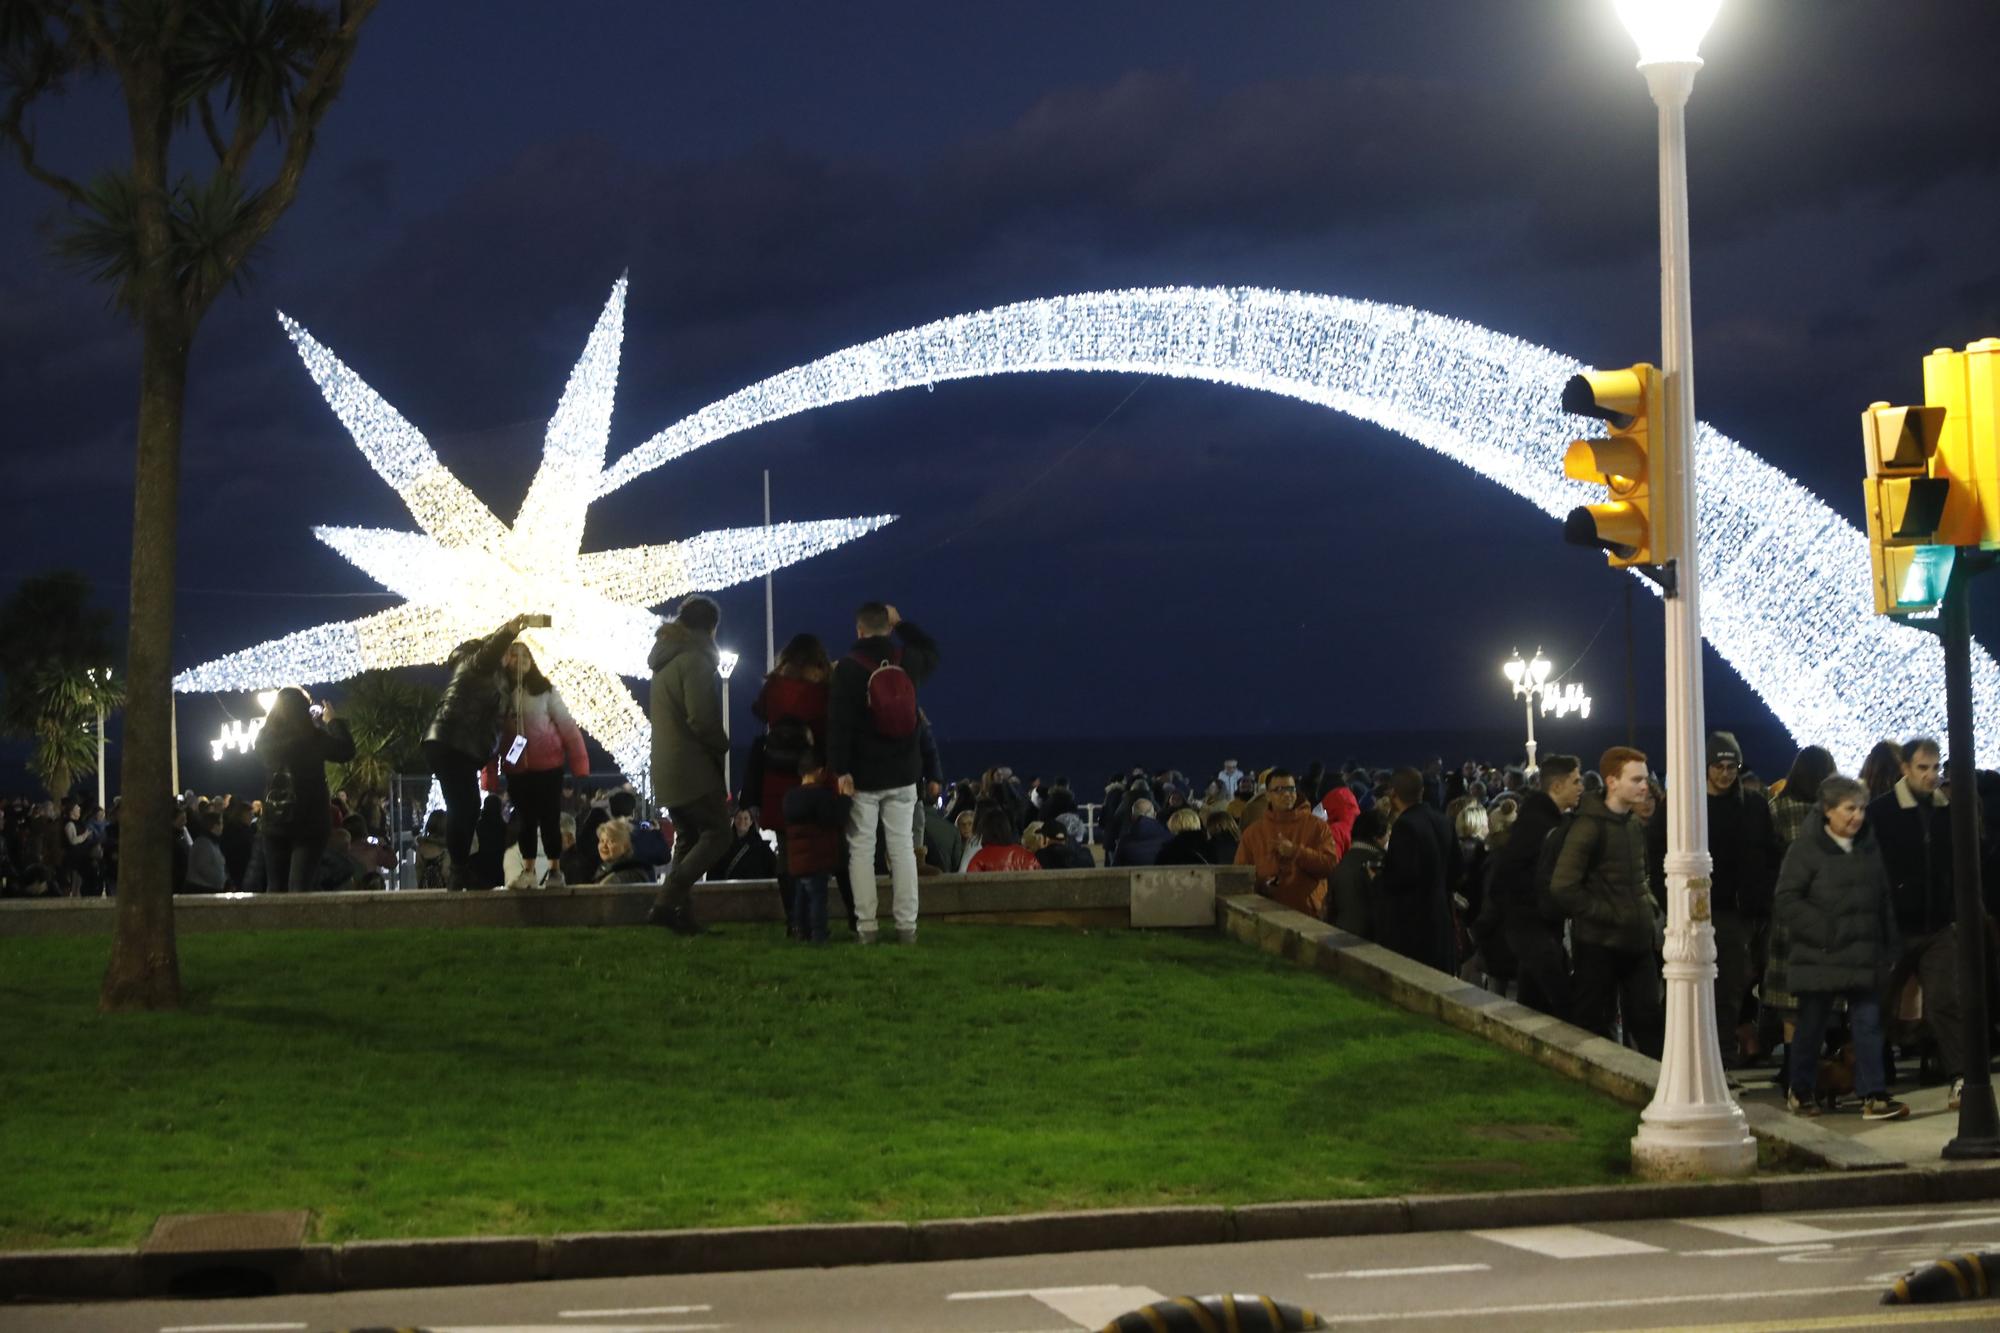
x,y
429,1083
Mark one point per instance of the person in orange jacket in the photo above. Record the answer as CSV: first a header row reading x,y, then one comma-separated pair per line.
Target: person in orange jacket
x,y
1290,846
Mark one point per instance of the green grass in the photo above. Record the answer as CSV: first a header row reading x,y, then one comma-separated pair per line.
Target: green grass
x,y
411,1083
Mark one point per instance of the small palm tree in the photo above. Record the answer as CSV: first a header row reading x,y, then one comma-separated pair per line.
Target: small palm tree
x,y
388,712
68,702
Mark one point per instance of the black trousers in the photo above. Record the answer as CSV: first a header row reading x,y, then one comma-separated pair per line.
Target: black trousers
x,y
1542,968
701,839
1610,980
291,862
538,801
458,778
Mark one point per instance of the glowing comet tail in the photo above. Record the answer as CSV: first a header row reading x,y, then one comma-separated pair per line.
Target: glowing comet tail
x,y
466,571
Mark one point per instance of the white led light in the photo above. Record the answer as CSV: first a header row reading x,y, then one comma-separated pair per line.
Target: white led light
x,y
467,572
1785,587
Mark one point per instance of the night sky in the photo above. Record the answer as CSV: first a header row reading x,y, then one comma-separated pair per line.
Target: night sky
x,y
1112,556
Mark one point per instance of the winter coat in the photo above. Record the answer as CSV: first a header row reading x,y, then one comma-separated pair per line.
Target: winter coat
x,y
1915,838
1002,856
792,700
552,735
1299,879
1350,891
686,705
854,749
627,871
943,847
1836,911
1341,812
1141,843
306,754
1512,867
468,713
1743,847
1600,879
1414,889
749,857
815,829
1065,855
1185,849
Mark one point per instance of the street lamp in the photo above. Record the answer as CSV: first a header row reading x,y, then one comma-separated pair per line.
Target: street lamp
x,y
1692,1127
103,678
1528,678
725,664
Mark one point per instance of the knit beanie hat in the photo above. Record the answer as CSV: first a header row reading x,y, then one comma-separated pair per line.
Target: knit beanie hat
x,y
1722,745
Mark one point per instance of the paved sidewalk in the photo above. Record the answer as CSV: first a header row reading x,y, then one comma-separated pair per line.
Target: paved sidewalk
x,y
1917,1141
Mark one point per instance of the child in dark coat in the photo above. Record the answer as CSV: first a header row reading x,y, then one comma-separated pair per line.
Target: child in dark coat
x,y
815,846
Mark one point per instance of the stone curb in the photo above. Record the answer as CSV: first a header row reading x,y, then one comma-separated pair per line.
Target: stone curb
x,y
1571,1051
359,1265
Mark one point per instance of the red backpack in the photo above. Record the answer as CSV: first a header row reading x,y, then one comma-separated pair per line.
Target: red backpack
x,y
891,695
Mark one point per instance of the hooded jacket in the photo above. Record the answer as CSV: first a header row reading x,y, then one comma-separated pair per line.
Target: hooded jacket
x,y
686,706
1341,812
1835,909
468,713
1298,880
1142,842
1600,878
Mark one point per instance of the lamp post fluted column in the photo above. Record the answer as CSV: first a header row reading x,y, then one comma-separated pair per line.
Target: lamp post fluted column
x,y
1693,1126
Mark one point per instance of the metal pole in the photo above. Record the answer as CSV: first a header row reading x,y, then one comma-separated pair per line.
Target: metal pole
x,y
770,618
1978,1122
100,758
726,788
1529,700
1692,1127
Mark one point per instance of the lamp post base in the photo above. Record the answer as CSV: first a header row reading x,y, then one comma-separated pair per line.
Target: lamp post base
x,y
1715,1146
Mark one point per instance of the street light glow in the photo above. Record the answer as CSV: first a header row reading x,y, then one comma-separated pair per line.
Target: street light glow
x,y
1668,31
725,663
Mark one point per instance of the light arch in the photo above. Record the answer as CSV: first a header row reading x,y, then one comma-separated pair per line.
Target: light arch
x,y
1785,579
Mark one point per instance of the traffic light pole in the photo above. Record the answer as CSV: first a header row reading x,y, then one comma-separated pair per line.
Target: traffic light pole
x,y
1978,1122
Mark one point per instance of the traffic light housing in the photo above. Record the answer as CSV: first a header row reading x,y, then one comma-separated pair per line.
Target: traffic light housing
x,y
1622,462
1912,512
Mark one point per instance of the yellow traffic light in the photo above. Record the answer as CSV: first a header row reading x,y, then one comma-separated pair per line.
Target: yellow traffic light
x,y
1967,386
1621,462
1910,552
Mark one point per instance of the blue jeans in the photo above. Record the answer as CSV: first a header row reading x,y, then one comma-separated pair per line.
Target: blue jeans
x,y
809,907
1864,1012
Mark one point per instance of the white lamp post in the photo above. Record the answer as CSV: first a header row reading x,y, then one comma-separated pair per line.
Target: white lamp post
x,y
1693,1127
101,678
725,664
1528,678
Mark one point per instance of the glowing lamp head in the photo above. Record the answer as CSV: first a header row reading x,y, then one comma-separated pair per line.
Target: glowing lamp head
x,y
1514,668
1540,667
725,663
1668,32
265,698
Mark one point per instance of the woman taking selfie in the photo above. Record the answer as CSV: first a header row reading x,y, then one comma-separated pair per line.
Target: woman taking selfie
x,y
541,740
300,738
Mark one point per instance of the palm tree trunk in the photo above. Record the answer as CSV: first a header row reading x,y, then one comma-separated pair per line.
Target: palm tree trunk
x,y
144,972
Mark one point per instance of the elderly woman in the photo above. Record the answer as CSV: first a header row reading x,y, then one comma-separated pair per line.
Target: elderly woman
x,y
614,851
1833,903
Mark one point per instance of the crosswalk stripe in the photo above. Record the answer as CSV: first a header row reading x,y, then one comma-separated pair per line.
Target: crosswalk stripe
x,y
1567,1242
1763,1230
1426,1271
1621,1303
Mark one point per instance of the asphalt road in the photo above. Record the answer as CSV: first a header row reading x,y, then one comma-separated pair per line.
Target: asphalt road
x,y
1800,1271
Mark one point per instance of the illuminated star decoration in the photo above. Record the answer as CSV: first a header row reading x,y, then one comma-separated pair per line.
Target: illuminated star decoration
x,y
466,572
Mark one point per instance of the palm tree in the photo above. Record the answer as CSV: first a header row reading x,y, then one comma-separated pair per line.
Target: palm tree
x,y
214,77
69,702
388,712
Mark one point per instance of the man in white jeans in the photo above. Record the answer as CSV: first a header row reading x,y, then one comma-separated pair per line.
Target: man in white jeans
x,y
876,761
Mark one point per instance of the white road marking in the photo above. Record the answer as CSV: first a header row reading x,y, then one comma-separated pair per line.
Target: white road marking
x,y
1405,1272
1035,1292
1095,1309
1987,1219
231,1328
1764,1230
639,1309
1560,1307
1737,1251
571,1328
1567,1242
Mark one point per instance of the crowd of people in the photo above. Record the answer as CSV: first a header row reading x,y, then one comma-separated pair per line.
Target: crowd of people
x,y
1831,897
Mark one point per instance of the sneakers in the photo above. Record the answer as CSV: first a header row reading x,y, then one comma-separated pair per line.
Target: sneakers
x,y
1883,1107
554,880
864,937
1957,1094
1810,1110
677,919
906,936
524,878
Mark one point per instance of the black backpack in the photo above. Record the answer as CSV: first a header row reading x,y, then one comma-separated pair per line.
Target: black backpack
x,y
281,801
788,741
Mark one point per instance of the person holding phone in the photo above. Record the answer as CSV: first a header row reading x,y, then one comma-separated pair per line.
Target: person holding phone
x,y
299,739
542,741
464,733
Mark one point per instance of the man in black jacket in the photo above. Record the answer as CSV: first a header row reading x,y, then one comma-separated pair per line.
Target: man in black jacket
x,y
1531,928
1743,849
1912,822
880,771
1418,867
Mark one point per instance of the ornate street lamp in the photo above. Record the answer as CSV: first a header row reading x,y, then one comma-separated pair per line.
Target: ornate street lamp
x,y
1692,1127
724,666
